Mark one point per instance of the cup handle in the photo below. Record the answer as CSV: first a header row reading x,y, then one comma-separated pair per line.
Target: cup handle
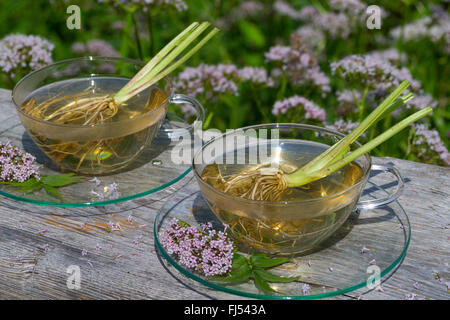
x,y
194,103
371,204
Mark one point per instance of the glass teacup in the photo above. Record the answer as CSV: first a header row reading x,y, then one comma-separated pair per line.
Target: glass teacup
x,y
105,147
304,217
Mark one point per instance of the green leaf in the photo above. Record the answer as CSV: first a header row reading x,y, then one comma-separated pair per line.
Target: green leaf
x,y
240,270
270,277
260,260
237,275
238,261
262,284
29,182
52,190
252,33
29,185
60,180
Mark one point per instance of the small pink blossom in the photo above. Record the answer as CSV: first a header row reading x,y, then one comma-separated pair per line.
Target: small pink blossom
x,y
199,248
364,249
306,289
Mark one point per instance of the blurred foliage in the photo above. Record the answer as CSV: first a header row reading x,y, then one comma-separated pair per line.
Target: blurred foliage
x,y
242,42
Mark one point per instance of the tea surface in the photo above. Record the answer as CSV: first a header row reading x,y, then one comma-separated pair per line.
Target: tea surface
x,y
283,233
103,150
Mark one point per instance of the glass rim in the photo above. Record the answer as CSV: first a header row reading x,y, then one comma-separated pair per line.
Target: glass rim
x,y
280,203
72,60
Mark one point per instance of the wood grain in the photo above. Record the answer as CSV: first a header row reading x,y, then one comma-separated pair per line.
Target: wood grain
x,y
38,244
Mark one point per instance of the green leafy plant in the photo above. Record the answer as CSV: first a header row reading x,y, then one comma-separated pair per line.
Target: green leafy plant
x,y
49,182
255,267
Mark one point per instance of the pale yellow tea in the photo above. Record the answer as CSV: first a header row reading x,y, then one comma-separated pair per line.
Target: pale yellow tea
x,y
105,147
289,230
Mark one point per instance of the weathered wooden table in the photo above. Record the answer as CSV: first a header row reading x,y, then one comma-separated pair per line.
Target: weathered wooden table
x,y
38,244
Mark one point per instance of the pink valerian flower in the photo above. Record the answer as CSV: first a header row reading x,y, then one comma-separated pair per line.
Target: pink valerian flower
x,y
410,296
114,227
343,126
146,5
413,30
300,66
336,25
310,37
306,289
308,13
208,80
199,248
435,27
96,181
84,252
427,144
16,165
255,75
311,110
285,9
20,54
391,55
242,11
348,102
421,101
352,7
364,249
96,47
374,72
342,20
101,193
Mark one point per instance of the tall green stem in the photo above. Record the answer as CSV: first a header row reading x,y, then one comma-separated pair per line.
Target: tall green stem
x,y
338,149
295,179
137,37
150,33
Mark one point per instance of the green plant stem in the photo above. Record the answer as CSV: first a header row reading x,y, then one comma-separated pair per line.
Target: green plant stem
x,y
258,104
124,46
136,36
296,180
162,63
150,33
362,105
154,78
338,149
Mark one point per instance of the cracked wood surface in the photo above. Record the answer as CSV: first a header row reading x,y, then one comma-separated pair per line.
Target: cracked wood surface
x,y
38,244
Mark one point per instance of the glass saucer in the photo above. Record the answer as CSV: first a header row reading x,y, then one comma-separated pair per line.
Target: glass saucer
x,y
369,246
152,171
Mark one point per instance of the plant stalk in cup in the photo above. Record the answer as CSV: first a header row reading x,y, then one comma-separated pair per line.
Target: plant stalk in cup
x,y
103,100
269,183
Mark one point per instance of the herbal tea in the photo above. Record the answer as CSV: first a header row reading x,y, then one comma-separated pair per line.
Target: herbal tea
x,y
92,149
286,231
